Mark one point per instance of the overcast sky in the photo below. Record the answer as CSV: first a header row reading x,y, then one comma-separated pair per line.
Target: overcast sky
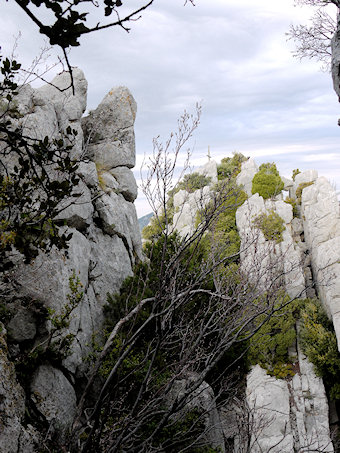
x,y
230,55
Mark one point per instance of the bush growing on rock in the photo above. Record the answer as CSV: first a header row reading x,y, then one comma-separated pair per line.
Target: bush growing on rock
x,y
230,166
271,225
299,190
269,346
267,182
320,346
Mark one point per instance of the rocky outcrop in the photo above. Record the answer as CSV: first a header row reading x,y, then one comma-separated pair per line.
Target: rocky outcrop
x,y
245,178
321,219
288,415
103,248
292,414
202,400
187,205
264,260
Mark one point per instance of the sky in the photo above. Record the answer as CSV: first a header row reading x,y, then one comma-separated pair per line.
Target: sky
x,y
231,56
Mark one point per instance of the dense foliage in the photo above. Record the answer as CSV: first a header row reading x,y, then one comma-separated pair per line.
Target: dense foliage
x,y
270,345
267,182
271,225
320,345
230,166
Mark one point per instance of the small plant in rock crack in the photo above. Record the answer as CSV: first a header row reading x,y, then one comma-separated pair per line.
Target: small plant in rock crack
x,y
56,346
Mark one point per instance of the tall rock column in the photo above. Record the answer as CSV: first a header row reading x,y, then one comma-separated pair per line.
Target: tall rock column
x,y
104,246
321,219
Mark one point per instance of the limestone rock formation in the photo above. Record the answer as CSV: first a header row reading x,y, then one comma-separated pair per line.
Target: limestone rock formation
x,y
104,246
262,259
245,177
321,220
187,204
288,415
203,400
14,437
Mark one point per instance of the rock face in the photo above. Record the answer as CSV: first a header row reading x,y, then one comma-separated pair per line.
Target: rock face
x,y
292,414
263,260
321,220
187,204
14,437
288,415
104,246
245,177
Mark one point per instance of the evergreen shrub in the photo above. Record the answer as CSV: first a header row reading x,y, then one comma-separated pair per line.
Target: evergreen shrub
x,y
271,225
267,182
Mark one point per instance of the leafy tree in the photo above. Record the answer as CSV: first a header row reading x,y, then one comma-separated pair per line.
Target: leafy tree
x,y
36,176
267,182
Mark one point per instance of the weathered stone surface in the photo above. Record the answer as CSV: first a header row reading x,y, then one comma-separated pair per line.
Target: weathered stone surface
x,y
187,206
77,211
46,279
12,406
119,218
209,170
109,129
99,255
321,220
268,401
304,177
245,177
264,260
127,183
88,172
288,415
54,397
107,182
48,111
288,183
22,326
309,409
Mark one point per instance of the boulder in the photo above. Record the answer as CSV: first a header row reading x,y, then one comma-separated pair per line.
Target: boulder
x,y
209,170
54,397
109,130
127,183
245,177
22,326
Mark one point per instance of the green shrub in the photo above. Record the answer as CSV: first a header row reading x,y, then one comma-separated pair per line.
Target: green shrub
x,y
295,172
299,190
292,202
319,343
271,225
230,166
267,182
269,346
192,182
